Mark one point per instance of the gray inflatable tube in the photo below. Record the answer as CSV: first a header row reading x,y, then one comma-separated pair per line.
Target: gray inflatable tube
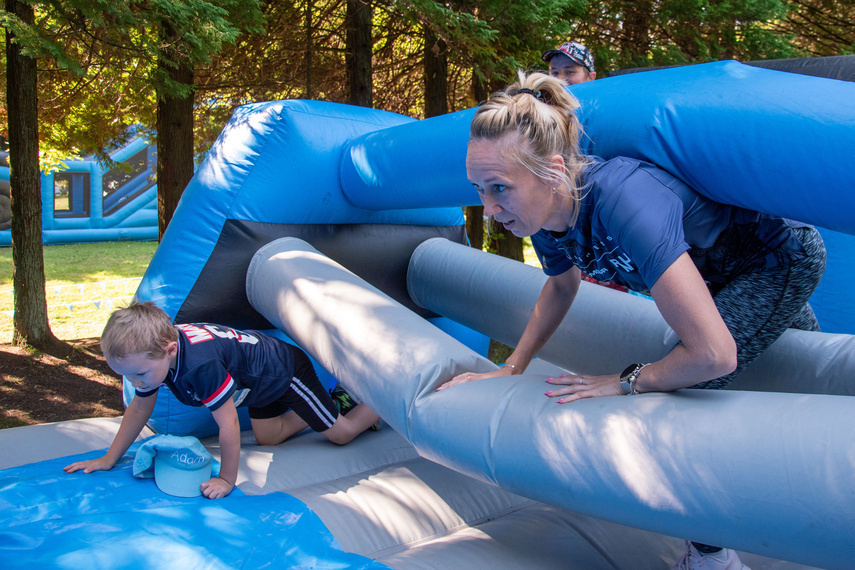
x,y
705,465
605,329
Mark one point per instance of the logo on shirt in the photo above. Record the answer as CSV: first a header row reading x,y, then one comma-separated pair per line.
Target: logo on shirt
x,y
595,259
622,262
195,334
202,333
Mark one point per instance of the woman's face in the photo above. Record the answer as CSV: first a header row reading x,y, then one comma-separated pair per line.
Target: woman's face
x,y
511,194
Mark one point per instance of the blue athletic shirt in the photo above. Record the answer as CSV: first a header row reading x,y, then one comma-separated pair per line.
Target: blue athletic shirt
x,y
635,220
216,362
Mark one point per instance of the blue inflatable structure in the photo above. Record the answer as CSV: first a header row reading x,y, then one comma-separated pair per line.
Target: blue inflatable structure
x,y
365,188
88,202
340,228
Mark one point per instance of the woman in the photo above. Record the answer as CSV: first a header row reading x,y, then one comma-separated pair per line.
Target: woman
x,y
728,281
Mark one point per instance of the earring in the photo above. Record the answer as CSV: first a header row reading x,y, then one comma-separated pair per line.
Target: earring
x,y
554,190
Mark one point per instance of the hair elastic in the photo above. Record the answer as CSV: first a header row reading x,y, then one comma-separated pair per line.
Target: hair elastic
x,y
535,94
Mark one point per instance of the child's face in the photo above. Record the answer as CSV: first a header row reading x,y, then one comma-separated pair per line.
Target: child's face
x,y
568,71
143,372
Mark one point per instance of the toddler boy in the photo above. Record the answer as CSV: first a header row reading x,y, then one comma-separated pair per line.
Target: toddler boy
x,y
220,368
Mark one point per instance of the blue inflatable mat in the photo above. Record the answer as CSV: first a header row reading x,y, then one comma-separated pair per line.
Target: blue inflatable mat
x,y
110,519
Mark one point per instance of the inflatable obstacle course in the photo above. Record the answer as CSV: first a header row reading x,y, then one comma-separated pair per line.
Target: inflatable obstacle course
x,y
318,220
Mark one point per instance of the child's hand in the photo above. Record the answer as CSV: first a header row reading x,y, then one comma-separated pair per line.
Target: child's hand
x,y
216,488
100,464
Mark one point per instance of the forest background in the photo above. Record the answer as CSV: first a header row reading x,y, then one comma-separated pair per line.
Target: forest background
x,y
84,76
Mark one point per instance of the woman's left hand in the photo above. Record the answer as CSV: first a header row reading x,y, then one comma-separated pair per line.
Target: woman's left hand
x,y
578,386
471,376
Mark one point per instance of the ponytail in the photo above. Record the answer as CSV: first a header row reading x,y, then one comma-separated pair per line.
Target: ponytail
x,y
535,119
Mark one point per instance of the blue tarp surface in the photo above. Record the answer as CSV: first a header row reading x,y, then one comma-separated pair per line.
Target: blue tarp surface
x,y
109,519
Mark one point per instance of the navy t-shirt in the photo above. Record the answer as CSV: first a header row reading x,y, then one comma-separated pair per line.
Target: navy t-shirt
x,y
635,220
216,362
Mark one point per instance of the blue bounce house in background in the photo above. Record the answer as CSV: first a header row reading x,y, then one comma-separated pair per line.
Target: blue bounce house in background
x,y
90,203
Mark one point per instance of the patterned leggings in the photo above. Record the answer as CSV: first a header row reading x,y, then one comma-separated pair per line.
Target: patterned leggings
x,y
759,307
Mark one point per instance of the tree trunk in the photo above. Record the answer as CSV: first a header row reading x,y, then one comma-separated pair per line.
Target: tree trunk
x,y
475,225
310,6
635,39
174,143
480,88
475,214
358,53
505,243
31,325
436,75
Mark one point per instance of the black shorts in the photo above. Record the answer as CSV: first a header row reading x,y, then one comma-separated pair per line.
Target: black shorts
x,y
306,396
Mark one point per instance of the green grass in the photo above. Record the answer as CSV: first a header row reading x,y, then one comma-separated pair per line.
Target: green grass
x,y
84,282
529,255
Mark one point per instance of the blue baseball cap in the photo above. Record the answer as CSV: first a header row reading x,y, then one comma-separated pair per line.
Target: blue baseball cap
x,y
180,472
178,464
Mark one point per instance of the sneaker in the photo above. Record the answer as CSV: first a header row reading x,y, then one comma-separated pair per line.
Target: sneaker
x,y
344,402
724,559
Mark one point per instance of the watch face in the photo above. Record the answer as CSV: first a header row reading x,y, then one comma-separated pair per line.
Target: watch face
x,y
629,370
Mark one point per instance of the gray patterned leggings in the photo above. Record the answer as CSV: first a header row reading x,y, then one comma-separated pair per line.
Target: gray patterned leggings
x,y
759,307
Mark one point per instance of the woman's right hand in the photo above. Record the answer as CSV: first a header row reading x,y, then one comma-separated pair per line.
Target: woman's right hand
x,y
470,376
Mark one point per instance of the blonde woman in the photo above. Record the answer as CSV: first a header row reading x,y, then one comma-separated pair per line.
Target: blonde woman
x,y
729,281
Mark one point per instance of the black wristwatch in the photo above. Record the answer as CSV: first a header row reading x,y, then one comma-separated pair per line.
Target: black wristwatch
x,y
628,378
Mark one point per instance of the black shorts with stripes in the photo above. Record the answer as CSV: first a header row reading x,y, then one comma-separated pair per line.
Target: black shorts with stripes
x,y
306,396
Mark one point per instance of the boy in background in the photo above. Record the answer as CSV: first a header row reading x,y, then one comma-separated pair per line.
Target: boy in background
x,y
571,62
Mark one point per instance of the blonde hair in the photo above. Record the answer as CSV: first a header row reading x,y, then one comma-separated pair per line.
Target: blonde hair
x,y
534,120
140,328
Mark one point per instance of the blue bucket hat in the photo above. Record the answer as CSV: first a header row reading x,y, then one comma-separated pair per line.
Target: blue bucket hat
x,y
179,465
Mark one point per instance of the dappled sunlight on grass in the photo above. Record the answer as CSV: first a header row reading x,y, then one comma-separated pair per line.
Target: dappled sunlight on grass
x,y
84,283
76,311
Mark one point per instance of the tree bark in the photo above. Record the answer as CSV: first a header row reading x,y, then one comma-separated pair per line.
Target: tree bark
x,y
636,28
174,142
505,243
31,325
436,74
475,214
310,6
475,225
358,53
